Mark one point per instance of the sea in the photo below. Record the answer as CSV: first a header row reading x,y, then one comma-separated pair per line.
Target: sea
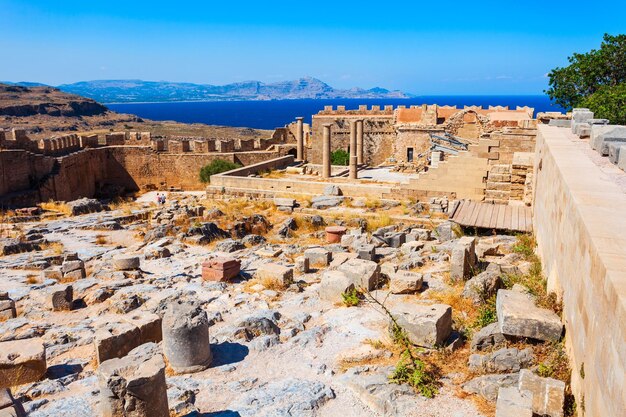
x,y
276,113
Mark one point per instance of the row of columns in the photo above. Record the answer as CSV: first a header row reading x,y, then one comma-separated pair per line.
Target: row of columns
x,y
356,148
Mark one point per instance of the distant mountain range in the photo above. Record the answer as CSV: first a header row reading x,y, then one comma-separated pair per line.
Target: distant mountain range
x,y
128,91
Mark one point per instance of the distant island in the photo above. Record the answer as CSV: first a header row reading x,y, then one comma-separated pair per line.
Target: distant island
x,y
137,91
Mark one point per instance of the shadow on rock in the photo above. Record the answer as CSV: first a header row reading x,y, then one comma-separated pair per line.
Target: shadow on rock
x,y
227,353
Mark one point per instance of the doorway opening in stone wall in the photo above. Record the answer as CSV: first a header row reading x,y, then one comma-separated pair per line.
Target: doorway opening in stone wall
x,y
409,154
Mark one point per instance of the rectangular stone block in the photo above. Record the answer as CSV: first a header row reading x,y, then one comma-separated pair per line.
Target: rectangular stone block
x,y
276,272
426,325
149,326
513,403
548,395
615,149
318,257
220,269
22,362
115,340
518,316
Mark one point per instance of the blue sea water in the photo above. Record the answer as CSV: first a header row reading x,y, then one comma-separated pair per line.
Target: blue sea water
x,y
276,113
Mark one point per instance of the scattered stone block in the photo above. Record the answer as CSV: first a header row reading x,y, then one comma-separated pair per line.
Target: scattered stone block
x,y
426,325
463,258
302,264
367,252
186,338
405,282
518,316
220,269
7,307
318,257
126,262
334,233
333,284
332,190
134,386
22,362
364,274
387,269
484,285
502,360
513,403
54,273
60,297
324,202
615,149
275,272
411,247
115,340
9,407
149,326
487,386
445,232
487,337
395,239
548,395
285,204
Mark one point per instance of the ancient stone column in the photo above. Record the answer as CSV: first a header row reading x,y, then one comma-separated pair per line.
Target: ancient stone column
x,y
326,151
299,139
353,167
353,149
359,143
186,338
134,386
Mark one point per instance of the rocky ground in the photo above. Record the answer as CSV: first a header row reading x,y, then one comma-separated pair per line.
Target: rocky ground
x,y
286,338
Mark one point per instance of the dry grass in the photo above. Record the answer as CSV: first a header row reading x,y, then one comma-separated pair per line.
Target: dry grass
x,y
271,283
483,405
55,247
273,174
101,240
464,312
33,279
56,206
382,220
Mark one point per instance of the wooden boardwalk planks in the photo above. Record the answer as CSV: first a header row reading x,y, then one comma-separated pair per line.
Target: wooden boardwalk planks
x,y
493,216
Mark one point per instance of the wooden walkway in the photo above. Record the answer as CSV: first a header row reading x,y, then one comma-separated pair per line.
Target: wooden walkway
x,y
493,216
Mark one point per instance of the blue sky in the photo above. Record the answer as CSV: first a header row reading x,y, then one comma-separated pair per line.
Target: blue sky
x,y
422,47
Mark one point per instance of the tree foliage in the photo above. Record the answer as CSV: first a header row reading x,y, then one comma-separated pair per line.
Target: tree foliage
x,y
340,157
216,167
596,79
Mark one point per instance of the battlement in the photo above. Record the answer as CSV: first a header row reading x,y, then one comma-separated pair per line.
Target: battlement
x,y
390,110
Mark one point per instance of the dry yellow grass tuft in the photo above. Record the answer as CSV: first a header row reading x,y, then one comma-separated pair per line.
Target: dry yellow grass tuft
x,y
33,279
101,240
55,247
56,206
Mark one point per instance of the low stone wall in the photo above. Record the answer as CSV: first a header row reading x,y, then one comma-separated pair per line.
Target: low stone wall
x,y
579,223
238,182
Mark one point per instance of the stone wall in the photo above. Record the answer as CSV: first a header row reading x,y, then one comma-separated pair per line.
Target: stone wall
x,y
579,223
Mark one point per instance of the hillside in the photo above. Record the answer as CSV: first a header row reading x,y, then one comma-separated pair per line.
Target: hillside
x,y
125,91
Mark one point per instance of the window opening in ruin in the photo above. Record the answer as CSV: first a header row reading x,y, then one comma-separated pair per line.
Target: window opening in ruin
x,y
409,154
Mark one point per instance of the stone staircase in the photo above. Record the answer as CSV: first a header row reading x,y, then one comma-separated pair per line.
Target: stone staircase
x,y
461,176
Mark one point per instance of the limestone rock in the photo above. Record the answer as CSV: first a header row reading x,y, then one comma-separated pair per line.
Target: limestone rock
x,y
426,325
60,297
21,362
115,340
513,403
463,258
134,386
548,395
405,282
186,338
502,360
518,316
84,206
318,257
7,307
275,272
362,273
487,337
484,285
487,386
333,284
324,202
126,262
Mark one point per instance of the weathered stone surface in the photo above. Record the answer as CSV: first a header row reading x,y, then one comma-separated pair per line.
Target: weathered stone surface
x,y
513,403
275,272
284,202
134,386
484,285
426,325
502,360
367,252
395,239
519,316
21,362
463,258
84,206
126,262
7,307
149,326
487,337
445,232
220,269
487,386
333,284
324,202
548,395
302,265
332,190
262,323
362,273
186,338
284,230
115,340
60,297
411,247
405,282
318,257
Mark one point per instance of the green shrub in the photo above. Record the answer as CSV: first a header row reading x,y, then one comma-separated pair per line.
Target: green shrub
x,y
216,167
340,157
486,314
351,298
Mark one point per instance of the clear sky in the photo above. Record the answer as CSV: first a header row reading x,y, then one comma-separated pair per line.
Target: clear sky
x,y
422,47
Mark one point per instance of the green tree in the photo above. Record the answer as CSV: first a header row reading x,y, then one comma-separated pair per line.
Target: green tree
x,y
340,157
596,79
216,167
